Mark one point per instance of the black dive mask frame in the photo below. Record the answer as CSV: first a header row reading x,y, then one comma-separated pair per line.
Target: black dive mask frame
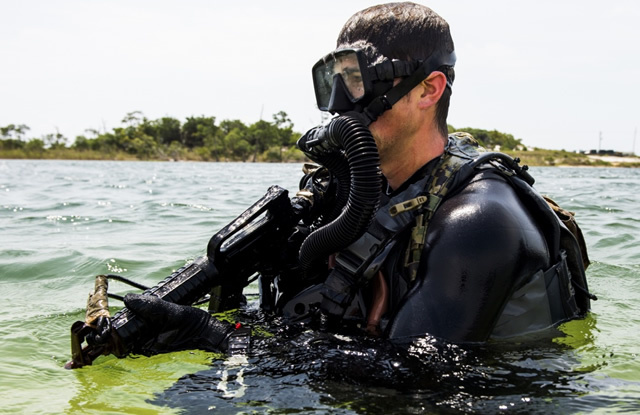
x,y
379,94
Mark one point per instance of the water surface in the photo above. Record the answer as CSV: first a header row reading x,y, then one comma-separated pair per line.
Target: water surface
x,y
63,222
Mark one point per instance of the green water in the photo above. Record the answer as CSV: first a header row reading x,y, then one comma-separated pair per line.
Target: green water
x,y
62,222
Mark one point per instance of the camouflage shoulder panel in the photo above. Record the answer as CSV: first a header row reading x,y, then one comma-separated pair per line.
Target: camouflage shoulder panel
x,y
461,148
463,145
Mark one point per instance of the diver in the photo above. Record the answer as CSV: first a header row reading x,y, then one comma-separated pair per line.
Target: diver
x,y
478,259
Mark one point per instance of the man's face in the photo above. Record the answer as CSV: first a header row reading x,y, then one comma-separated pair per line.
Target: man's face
x,y
347,66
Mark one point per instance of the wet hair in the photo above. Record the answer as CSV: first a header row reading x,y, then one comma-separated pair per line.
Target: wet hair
x,y
405,31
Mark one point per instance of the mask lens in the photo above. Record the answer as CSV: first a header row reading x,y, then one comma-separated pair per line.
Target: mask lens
x,y
346,65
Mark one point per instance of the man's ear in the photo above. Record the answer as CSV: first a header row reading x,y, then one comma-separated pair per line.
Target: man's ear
x,y
433,87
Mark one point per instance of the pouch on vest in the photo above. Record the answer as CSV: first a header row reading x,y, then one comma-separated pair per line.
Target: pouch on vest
x,y
565,241
572,242
569,220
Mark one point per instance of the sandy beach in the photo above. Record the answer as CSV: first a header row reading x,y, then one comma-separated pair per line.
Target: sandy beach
x,y
615,160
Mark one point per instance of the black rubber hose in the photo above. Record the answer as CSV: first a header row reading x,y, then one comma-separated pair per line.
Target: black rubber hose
x,y
354,138
338,165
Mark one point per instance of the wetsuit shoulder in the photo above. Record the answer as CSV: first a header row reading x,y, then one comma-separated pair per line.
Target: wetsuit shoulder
x,y
482,244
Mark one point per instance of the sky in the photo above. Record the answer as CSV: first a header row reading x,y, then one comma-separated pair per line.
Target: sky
x,y
557,74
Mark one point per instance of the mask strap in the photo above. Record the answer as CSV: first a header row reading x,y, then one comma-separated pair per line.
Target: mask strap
x,y
384,102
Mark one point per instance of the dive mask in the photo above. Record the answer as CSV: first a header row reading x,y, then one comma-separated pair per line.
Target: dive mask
x,y
343,81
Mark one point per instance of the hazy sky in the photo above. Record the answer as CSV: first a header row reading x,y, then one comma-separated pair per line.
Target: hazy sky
x,y
554,73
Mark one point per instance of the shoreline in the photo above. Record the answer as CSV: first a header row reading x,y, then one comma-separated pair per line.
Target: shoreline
x,y
593,160
616,160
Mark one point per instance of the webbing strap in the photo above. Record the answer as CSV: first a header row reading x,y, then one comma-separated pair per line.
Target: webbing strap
x,y
416,205
460,151
420,199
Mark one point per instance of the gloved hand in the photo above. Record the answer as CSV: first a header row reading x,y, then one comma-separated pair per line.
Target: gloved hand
x,y
176,327
102,331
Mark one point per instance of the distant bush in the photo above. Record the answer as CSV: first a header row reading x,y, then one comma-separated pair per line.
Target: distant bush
x,y
198,138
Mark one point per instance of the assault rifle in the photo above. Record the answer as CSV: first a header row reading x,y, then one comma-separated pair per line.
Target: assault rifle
x,y
288,240
251,243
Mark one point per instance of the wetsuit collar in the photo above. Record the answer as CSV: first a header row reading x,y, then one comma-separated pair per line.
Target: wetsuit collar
x,y
423,171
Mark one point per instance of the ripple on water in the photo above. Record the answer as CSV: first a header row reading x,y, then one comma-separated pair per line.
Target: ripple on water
x,y
148,219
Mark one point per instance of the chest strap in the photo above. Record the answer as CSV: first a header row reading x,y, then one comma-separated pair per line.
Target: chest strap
x,y
359,262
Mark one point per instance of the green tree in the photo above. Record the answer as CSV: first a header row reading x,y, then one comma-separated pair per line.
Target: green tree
x,y
237,145
197,130
81,143
226,126
176,151
84,143
231,142
12,137
262,135
35,146
285,129
55,141
144,146
166,130
107,142
133,118
120,139
11,144
12,131
494,138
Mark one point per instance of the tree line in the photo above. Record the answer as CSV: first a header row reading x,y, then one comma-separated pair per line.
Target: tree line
x,y
197,138
166,138
493,140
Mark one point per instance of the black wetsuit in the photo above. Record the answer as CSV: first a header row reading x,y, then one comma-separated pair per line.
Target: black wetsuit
x,y
482,246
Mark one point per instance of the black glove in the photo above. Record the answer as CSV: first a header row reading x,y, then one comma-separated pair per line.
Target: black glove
x,y
177,327
102,332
